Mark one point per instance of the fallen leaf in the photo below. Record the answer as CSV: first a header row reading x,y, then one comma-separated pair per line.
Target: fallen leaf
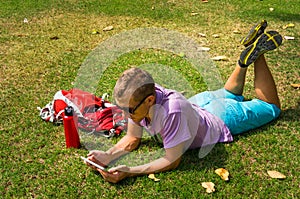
x,y
54,38
220,58
290,25
22,35
181,54
289,38
28,161
152,177
204,49
209,186
215,35
276,174
202,34
236,32
94,32
42,161
223,173
108,28
295,85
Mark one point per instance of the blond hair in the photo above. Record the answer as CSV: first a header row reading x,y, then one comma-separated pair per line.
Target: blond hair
x,y
134,83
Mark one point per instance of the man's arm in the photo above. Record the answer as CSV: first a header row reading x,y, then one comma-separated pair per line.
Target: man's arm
x,y
126,144
170,161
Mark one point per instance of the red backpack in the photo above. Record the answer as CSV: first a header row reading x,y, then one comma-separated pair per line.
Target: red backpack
x,y
95,115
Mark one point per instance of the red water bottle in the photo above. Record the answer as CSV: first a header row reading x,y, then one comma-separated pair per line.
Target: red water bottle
x,y
70,127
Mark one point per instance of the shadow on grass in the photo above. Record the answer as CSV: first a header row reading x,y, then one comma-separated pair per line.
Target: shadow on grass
x,y
218,156
291,114
190,161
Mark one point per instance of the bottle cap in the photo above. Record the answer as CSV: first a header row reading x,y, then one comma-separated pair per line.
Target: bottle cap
x,y
69,111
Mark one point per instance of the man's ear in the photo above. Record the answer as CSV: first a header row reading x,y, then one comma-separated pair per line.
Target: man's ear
x,y
151,100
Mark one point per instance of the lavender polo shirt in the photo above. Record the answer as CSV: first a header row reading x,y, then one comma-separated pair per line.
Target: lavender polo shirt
x,y
177,121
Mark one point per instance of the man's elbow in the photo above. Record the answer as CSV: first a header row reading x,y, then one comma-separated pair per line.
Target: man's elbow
x,y
176,163
134,144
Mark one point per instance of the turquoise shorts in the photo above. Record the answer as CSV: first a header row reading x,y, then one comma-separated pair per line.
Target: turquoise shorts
x,y
238,115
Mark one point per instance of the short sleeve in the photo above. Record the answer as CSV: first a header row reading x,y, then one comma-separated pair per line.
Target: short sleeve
x,y
175,130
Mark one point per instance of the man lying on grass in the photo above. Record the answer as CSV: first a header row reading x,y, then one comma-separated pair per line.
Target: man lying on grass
x,y
203,120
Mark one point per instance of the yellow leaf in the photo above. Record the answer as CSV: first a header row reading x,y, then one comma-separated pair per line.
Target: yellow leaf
x,y
276,174
295,85
209,186
181,54
223,173
290,25
94,32
152,177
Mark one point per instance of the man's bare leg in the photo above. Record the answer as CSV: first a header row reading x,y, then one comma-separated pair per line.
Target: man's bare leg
x,y
236,81
264,84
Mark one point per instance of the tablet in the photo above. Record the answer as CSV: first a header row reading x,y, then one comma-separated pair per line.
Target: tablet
x,y
93,163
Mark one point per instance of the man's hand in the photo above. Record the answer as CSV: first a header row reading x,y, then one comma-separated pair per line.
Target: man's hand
x,y
115,174
99,157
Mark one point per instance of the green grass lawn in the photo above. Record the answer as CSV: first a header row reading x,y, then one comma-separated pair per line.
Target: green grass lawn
x,y
44,55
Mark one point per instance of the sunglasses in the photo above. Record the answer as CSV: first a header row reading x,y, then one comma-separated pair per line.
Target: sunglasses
x,y
132,110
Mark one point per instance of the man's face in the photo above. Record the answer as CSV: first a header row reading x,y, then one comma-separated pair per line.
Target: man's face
x,y
136,110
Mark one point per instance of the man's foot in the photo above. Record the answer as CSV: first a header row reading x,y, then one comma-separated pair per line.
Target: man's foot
x,y
267,41
254,33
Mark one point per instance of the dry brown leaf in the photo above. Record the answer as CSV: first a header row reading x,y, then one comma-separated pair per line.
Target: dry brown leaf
x,y
54,38
108,28
209,186
152,177
223,173
42,161
276,174
295,85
